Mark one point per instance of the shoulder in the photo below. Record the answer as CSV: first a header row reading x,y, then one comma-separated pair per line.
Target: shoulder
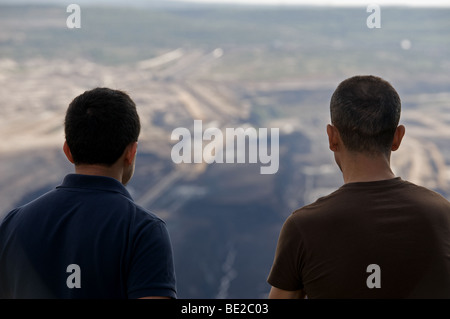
x,y
323,205
45,202
423,190
418,193
6,220
425,198
144,223
19,212
142,214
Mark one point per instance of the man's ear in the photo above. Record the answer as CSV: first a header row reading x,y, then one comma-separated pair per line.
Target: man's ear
x,y
398,136
333,137
66,150
130,153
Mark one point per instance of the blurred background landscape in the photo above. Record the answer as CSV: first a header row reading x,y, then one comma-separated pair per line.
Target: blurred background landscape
x,y
230,66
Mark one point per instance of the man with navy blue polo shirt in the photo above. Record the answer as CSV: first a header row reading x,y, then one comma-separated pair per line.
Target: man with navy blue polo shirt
x,y
87,238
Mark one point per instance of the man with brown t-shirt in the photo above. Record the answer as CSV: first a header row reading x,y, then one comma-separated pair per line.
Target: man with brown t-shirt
x,y
377,236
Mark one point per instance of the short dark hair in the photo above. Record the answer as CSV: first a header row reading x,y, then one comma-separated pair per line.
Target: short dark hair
x,y
366,112
99,125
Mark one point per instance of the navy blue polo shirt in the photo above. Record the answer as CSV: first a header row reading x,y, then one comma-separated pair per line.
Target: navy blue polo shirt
x,y
85,239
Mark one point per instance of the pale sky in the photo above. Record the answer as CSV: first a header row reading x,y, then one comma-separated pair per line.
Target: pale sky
x,y
419,3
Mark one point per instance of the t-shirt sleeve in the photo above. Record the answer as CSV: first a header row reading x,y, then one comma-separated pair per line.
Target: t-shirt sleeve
x,y
285,273
152,270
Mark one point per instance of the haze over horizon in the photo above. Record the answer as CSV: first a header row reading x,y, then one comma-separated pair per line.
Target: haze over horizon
x,y
419,3
334,3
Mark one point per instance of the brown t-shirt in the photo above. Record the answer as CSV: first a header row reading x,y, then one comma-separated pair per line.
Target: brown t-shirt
x,y
383,239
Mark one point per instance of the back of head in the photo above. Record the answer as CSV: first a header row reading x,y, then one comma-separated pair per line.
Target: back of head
x,y
99,125
366,112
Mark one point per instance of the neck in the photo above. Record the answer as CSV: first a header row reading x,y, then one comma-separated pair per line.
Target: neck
x,y
359,167
99,170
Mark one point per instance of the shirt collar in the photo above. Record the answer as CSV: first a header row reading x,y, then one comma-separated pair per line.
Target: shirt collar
x,y
380,183
94,182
